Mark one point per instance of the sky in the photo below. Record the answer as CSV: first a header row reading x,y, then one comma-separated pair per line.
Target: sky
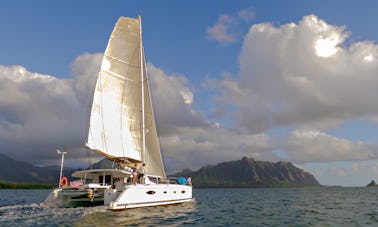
x,y
270,80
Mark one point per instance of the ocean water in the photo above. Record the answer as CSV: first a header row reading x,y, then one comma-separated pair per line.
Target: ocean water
x,y
319,206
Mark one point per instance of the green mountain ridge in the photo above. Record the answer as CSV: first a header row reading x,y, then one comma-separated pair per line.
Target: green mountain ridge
x,y
12,171
248,172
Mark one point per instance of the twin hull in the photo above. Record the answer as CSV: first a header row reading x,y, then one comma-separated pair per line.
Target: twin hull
x,y
76,198
123,196
131,196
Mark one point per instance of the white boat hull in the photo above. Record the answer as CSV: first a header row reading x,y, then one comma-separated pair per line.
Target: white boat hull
x,y
141,195
77,197
112,191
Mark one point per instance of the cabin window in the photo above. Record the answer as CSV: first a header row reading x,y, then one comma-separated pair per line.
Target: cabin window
x,y
174,192
108,179
165,192
183,191
151,192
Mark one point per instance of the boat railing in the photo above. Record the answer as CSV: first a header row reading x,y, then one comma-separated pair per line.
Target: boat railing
x,y
171,180
168,180
179,180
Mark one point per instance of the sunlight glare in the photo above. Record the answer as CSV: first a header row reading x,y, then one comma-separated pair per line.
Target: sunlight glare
x,y
105,64
326,47
368,57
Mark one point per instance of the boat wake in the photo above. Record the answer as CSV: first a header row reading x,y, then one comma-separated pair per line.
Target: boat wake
x,y
39,214
50,201
19,212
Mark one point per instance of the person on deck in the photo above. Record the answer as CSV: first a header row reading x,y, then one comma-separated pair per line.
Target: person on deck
x,y
142,170
189,180
134,173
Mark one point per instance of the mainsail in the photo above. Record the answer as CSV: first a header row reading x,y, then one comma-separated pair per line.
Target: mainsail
x,y
119,109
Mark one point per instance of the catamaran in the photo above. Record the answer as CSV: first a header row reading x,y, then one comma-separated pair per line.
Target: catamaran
x,y
122,128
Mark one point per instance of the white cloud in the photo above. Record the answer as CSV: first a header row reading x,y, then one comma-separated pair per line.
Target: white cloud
x,y
173,101
85,68
247,14
346,173
303,77
220,32
38,112
283,82
314,146
287,78
187,138
227,28
196,147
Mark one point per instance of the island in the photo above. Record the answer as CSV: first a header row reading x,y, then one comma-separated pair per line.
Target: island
x,y
248,173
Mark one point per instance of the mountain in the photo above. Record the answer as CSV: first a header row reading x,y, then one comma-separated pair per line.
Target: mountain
x,y
248,172
23,172
103,164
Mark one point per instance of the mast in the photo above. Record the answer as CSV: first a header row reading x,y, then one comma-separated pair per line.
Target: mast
x,y
122,124
142,84
61,165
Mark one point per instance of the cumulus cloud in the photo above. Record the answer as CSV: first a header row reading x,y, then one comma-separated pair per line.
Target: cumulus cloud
x,y
315,146
173,101
301,75
85,68
41,113
187,137
227,28
38,112
304,77
196,147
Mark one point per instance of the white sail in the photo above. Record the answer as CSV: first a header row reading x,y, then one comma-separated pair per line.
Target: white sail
x,y
116,121
153,160
122,128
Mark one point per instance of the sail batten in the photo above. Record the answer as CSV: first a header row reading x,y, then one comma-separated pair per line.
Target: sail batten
x,y
122,108
127,63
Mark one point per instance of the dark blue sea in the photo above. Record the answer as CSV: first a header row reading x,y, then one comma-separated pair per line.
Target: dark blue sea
x,y
320,206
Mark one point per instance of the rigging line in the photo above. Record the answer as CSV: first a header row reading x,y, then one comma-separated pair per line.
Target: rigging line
x,y
142,84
